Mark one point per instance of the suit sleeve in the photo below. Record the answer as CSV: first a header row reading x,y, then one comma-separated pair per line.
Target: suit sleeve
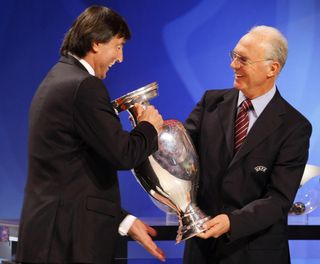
x,y
193,122
99,127
285,179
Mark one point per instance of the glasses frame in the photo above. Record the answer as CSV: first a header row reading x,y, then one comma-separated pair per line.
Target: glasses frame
x,y
244,61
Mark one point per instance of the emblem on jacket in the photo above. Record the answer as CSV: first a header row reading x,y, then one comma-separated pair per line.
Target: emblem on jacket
x,y
260,168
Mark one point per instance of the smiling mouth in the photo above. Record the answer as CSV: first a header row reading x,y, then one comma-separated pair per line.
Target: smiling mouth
x,y
111,64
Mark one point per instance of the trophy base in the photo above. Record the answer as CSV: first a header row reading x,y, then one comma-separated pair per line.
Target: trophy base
x,y
191,222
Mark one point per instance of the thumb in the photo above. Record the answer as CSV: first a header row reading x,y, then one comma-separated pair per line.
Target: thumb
x,y
151,231
139,109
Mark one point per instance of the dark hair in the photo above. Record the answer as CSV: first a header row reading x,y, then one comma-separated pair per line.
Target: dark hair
x,y
96,23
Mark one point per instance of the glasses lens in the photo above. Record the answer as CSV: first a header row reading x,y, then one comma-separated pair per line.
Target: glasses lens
x,y
240,59
232,55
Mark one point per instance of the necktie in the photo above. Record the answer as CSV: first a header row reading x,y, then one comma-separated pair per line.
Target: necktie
x,y
241,124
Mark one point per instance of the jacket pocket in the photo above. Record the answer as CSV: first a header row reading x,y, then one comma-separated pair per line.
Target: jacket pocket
x,y
101,206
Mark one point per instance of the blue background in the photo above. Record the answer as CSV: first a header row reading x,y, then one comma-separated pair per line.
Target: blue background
x,y
183,45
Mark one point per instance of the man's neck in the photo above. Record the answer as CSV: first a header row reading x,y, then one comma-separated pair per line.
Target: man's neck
x,y
254,93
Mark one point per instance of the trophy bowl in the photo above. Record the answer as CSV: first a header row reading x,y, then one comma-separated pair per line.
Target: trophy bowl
x,y
170,175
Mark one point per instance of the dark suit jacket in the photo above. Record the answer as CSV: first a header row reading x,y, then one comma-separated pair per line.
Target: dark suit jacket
x,y
71,210
255,187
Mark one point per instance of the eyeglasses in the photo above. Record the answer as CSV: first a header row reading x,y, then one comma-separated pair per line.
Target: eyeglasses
x,y
243,60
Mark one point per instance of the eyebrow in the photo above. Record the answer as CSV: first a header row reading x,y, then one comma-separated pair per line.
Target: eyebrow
x,y
237,53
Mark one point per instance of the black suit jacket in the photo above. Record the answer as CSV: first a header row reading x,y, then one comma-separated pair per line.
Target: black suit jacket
x,y
71,209
255,187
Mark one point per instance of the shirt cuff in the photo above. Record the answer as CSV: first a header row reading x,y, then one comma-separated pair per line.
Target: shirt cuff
x,y
126,224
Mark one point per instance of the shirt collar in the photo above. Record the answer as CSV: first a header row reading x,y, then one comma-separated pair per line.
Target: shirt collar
x,y
260,102
85,64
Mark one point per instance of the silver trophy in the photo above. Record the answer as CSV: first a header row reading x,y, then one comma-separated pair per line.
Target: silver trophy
x,y
170,175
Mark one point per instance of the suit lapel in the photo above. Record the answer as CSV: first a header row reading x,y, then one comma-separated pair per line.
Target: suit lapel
x,y
269,120
226,111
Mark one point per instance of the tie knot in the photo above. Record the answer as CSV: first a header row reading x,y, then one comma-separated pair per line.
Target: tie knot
x,y
246,105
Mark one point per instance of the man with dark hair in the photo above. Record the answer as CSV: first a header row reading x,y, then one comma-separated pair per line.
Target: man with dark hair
x,y
71,211
253,147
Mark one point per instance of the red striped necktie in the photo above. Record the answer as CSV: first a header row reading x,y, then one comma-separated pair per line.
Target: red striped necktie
x,y
241,124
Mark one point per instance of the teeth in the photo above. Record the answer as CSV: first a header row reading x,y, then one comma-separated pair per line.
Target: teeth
x,y
111,64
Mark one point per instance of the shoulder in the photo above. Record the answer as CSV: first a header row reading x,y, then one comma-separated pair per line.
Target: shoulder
x,y
67,71
72,73
91,87
217,96
218,92
294,116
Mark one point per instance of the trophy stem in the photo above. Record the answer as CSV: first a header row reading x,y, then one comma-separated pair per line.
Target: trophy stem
x,y
191,222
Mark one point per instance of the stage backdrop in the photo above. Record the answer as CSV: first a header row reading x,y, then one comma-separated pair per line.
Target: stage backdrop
x,y
183,45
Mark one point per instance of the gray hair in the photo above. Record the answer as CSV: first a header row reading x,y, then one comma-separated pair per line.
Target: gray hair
x,y
276,43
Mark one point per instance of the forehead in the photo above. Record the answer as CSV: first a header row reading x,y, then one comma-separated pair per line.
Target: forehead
x,y
250,45
116,40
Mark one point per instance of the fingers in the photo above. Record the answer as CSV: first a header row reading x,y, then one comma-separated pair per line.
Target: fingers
x,y
151,231
204,235
150,246
212,231
153,249
142,233
211,223
151,115
139,109
216,227
160,255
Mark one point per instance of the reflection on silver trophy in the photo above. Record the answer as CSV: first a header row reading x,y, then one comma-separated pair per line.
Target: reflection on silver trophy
x,y
170,175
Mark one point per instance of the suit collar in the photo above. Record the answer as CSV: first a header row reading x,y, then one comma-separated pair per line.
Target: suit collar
x,y
73,61
260,102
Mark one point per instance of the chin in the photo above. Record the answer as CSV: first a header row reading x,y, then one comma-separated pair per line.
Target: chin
x,y
237,85
102,76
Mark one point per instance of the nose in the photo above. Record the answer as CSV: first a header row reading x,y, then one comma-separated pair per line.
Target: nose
x,y
235,64
120,56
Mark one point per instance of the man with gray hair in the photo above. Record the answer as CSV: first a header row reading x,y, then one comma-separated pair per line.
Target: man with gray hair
x,y
253,147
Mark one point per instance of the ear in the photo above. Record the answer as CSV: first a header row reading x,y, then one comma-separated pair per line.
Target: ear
x,y
274,69
95,47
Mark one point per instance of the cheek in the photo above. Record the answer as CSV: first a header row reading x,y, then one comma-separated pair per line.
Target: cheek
x,y
259,73
107,54
257,78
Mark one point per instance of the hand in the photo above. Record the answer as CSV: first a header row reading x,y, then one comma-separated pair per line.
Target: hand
x,y
142,233
216,226
149,114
